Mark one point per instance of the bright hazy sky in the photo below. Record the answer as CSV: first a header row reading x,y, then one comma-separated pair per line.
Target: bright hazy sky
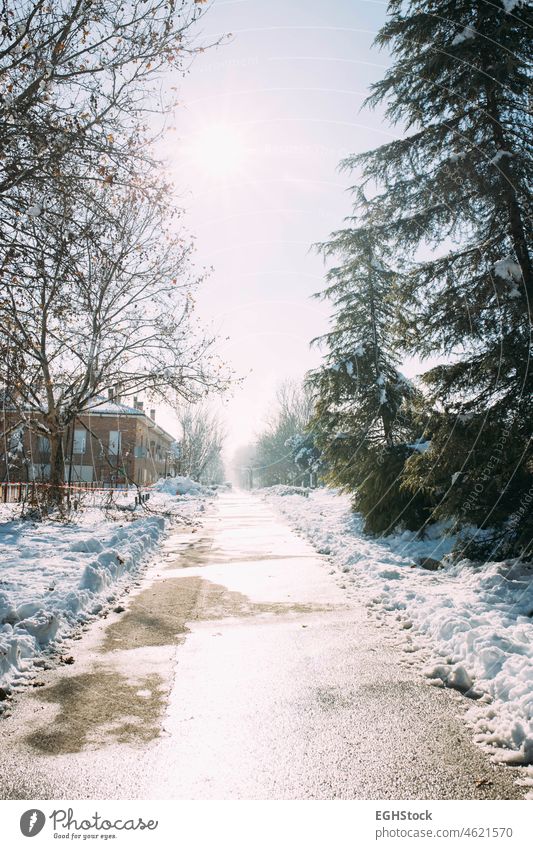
x,y
264,121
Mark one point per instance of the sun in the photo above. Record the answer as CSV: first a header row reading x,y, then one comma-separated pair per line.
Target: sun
x,y
218,151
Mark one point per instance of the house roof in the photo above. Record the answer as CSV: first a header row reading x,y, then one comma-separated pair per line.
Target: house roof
x,y
101,406
106,407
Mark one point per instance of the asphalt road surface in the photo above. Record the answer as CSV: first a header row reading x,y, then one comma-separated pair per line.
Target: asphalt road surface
x,y
241,669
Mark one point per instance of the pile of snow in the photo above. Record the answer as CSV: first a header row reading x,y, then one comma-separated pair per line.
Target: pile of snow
x,y
181,486
282,490
55,576
475,620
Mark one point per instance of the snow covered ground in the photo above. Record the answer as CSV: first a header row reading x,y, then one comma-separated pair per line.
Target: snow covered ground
x,y
55,576
474,622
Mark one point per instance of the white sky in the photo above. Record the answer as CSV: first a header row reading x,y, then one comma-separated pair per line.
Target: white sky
x,y
264,121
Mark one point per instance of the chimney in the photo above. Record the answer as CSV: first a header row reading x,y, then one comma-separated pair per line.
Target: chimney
x,y
152,414
138,404
110,394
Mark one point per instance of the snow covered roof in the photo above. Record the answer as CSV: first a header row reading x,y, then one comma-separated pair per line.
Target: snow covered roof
x,y
101,406
106,407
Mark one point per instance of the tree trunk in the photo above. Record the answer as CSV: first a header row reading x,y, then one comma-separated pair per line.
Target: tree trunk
x,y
385,418
515,217
56,490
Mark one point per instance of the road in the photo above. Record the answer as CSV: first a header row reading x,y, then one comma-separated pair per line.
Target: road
x,y
240,669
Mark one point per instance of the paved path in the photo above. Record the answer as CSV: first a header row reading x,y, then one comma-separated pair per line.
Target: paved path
x,y
241,670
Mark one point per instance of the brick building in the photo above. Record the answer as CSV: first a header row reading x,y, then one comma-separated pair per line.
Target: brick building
x,y
110,443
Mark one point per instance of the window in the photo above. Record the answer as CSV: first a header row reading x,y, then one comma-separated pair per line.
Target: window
x,y
79,473
16,439
114,441
78,445
43,445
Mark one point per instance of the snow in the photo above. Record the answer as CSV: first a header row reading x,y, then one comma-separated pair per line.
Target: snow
x,y
180,486
464,35
35,210
55,576
509,5
500,155
106,406
421,445
402,380
508,269
471,624
347,365
283,490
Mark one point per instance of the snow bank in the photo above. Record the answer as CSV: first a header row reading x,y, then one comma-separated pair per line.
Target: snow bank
x,y
282,490
476,621
180,486
55,576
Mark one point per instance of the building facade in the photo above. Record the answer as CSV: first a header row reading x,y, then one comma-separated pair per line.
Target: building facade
x,y
110,443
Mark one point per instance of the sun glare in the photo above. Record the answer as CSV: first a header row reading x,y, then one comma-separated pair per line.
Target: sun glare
x,y
218,150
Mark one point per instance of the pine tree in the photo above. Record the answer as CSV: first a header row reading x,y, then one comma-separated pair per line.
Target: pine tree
x,y
451,202
362,419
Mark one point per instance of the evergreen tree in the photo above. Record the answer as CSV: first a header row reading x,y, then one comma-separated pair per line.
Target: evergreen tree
x,y
362,419
306,456
451,201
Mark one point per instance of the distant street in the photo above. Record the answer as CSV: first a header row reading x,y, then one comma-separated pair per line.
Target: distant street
x,y
239,669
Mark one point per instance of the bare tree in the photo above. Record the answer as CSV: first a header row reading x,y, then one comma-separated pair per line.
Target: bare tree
x,y
202,439
107,303
77,78
95,279
293,405
80,81
274,456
